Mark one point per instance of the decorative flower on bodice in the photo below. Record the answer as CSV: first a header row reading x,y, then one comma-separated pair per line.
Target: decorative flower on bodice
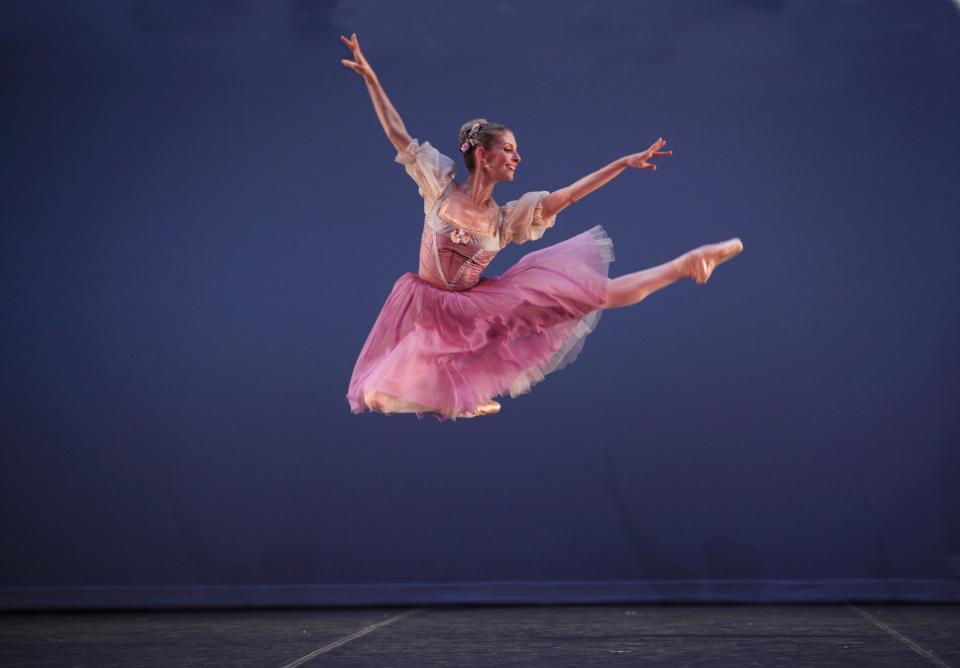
x,y
459,236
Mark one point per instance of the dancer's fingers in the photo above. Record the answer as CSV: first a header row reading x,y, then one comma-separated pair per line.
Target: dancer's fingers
x,y
352,42
350,45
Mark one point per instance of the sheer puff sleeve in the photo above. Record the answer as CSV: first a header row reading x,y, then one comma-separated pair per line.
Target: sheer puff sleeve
x,y
523,219
429,168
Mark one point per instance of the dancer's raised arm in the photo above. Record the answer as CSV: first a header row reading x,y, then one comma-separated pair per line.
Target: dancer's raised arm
x,y
559,200
389,118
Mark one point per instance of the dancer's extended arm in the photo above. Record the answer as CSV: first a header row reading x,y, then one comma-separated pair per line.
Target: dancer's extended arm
x,y
389,118
559,200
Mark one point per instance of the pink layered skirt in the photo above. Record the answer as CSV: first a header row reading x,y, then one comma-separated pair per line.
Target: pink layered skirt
x,y
444,352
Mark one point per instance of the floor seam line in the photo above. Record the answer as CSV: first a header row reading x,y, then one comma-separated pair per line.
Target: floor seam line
x,y
912,644
344,640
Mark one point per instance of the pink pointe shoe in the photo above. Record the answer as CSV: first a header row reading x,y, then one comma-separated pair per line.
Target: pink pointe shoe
x,y
699,263
485,408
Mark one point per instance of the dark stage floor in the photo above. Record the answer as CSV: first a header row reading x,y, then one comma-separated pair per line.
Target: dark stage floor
x,y
873,635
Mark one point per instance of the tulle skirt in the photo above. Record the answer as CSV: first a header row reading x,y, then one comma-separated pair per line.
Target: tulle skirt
x,y
442,352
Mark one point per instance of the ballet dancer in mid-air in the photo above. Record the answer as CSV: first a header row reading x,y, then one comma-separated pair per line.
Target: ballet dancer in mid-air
x,y
448,340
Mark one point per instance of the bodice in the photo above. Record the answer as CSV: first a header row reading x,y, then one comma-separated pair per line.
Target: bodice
x,y
457,243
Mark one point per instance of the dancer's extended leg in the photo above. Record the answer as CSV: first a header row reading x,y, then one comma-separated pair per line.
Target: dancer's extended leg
x,y
697,264
632,288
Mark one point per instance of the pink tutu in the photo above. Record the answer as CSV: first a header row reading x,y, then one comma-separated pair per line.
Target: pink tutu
x,y
444,352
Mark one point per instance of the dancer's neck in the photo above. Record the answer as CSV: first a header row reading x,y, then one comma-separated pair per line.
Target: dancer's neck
x,y
478,188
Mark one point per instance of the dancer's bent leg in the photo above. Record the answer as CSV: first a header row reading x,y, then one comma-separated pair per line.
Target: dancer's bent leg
x,y
384,403
697,264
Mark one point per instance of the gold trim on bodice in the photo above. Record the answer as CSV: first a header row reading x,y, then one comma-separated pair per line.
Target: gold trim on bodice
x,y
458,213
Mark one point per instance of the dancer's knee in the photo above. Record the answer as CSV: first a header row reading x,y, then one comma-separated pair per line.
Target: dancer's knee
x,y
620,294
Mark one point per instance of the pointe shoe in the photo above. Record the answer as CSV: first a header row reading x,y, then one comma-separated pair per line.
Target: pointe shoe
x,y
484,408
699,263
489,408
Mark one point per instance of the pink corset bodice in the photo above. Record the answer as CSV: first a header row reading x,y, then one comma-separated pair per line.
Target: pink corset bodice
x,y
453,250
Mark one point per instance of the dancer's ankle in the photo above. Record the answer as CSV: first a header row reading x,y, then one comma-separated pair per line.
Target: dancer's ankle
x,y
681,266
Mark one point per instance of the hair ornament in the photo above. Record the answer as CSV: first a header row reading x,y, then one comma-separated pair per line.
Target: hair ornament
x,y
472,139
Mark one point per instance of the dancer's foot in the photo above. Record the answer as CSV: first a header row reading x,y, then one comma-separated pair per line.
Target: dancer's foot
x,y
699,263
485,408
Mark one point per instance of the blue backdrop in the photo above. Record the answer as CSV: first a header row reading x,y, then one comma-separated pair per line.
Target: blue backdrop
x,y
201,218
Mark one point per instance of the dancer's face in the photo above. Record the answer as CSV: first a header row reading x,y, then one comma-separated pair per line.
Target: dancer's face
x,y
502,159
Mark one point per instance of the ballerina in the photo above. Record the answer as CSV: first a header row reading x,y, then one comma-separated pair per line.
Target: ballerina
x,y
448,340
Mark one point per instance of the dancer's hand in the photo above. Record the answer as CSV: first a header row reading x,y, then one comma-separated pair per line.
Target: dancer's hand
x,y
642,160
359,64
